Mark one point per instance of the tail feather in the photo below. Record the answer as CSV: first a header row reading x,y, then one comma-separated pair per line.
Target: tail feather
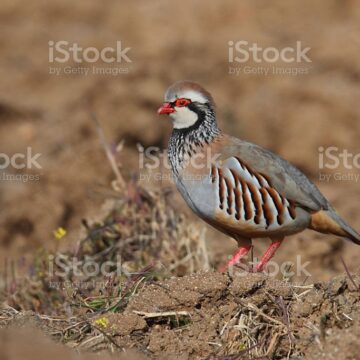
x,y
329,222
351,234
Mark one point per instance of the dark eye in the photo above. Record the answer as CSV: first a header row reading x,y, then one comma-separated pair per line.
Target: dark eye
x,y
182,102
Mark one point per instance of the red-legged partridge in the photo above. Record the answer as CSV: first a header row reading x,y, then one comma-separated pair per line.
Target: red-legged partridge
x,y
238,187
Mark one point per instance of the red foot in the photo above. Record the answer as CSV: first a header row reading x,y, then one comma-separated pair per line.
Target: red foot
x,y
270,252
236,257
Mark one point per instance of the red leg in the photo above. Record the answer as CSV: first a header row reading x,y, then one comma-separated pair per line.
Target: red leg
x,y
270,252
243,250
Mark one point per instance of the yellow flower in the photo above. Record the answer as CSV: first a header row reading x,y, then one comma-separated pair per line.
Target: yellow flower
x,y
59,233
102,322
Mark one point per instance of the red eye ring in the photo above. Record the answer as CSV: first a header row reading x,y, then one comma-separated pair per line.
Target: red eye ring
x,y
182,102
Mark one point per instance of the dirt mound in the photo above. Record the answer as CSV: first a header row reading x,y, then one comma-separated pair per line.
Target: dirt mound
x,y
211,315
291,115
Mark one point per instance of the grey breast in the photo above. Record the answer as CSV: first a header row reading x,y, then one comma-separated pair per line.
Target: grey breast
x,y
198,192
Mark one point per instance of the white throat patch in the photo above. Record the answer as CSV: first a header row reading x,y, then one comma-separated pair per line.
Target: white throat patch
x,y
183,118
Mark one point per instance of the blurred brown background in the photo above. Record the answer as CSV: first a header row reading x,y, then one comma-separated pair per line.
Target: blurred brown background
x,y
291,115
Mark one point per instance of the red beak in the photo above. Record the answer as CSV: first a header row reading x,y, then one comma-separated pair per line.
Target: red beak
x,y
166,108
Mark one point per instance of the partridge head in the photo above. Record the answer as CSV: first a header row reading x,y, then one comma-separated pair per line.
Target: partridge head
x,y
240,188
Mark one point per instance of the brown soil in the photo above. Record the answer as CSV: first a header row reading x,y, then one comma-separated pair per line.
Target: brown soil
x,y
210,315
291,115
